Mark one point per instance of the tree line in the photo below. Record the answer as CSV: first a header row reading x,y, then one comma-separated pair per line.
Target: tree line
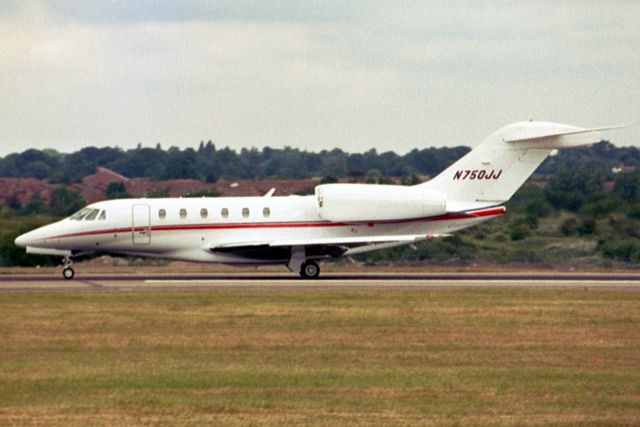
x,y
209,163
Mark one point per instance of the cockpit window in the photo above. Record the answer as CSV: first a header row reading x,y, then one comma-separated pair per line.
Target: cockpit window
x,y
92,215
103,215
80,214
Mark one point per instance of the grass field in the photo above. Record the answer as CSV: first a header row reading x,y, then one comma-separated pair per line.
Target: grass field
x,y
321,357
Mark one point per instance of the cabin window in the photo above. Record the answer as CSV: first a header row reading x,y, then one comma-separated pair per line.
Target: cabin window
x,y
204,213
266,212
92,215
245,212
224,212
103,215
183,213
162,214
80,214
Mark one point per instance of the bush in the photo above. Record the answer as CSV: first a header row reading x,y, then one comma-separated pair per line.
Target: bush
x,y
14,202
569,189
480,235
446,248
527,194
568,227
519,232
531,221
500,237
627,186
624,250
116,190
33,206
538,208
65,202
634,211
328,179
600,206
587,226
624,227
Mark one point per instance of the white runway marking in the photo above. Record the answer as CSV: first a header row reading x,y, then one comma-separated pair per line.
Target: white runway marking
x,y
345,282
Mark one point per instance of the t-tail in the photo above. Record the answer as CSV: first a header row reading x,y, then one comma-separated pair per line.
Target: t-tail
x,y
493,171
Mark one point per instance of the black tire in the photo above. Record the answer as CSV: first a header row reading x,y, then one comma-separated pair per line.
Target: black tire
x,y
68,273
310,270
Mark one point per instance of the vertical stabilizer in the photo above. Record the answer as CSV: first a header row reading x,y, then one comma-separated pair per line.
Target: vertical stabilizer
x,y
492,172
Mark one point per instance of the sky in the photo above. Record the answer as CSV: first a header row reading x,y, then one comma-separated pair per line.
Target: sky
x,y
390,75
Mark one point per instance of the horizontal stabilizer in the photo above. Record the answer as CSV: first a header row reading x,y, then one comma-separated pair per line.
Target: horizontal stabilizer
x,y
574,137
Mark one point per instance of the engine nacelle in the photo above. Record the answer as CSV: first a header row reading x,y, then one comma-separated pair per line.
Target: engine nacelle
x,y
369,202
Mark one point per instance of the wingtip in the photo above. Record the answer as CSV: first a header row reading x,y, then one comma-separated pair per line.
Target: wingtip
x,y
608,128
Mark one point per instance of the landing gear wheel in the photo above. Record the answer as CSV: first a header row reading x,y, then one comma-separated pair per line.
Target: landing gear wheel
x,y
310,270
68,273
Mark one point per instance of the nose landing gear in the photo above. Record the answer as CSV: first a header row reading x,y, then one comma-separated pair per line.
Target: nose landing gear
x,y
67,272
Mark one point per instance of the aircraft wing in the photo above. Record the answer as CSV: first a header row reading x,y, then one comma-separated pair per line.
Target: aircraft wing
x,y
323,241
316,247
348,241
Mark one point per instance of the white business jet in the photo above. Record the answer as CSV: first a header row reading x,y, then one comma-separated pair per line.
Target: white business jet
x,y
297,231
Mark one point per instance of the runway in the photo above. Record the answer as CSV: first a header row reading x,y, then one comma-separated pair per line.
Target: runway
x,y
329,281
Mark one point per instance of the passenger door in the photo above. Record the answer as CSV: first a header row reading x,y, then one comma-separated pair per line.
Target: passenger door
x,y
141,224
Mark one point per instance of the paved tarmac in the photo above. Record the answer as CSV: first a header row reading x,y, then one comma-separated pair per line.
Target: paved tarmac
x,y
328,281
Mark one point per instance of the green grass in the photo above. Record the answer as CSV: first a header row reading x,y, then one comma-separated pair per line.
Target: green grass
x,y
313,357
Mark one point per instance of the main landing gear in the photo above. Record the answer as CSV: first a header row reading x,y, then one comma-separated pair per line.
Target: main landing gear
x,y
67,271
310,270
299,263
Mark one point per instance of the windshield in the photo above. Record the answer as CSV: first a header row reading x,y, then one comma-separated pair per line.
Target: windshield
x,y
80,214
92,215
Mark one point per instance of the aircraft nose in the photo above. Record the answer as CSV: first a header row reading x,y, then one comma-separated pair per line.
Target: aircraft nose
x,y
25,239
22,240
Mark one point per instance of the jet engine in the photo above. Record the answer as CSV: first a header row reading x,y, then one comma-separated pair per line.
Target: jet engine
x,y
369,202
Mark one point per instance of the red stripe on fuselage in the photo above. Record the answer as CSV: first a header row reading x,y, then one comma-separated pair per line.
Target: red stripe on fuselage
x,y
448,216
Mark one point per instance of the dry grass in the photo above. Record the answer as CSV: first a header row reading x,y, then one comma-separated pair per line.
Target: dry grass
x,y
313,357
